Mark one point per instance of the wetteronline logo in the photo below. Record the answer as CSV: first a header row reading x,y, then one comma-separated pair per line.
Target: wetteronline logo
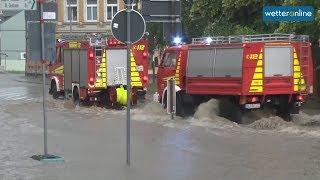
x,y
288,13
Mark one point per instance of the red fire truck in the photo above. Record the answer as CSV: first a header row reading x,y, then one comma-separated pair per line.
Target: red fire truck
x,y
94,69
246,72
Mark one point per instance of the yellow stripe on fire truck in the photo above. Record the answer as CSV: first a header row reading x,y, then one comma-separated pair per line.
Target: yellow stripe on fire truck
x,y
59,70
257,80
178,68
177,72
135,76
101,80
299,81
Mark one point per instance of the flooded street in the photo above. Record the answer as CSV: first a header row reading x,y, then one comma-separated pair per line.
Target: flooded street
x,y
205,146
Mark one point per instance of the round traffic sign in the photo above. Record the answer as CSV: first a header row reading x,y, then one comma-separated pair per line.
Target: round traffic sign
x,y
119,26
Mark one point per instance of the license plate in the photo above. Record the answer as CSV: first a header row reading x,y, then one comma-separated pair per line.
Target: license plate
x,y
252,106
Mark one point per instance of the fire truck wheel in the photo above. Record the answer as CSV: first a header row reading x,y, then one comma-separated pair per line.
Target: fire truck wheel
x,y
134,97
50,90
180,111
53,90
228,108
237,114
284,109
294,108
112,97
292,112
76,97
164,103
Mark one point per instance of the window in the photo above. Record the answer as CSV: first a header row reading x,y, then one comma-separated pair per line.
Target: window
x,y
111,9
92,7
278,61
72,11
169,59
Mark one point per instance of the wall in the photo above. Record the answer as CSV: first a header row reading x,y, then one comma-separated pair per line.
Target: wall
x,y
13,42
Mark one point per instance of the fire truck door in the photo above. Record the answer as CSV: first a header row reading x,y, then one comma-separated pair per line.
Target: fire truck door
x,y
167,68
116,67
75,66
67,59
83,68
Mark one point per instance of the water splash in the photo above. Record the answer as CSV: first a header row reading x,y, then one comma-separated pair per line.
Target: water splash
x,y
274,122
207,115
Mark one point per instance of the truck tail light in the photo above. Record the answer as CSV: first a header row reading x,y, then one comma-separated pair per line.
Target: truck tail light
x,y
145,78
113,42
144,54
300,98
91,81
253,99
91,55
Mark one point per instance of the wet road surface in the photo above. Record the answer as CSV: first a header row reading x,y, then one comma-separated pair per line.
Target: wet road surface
x,y
92,141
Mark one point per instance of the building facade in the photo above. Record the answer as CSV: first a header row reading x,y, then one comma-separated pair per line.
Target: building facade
x,y
86,16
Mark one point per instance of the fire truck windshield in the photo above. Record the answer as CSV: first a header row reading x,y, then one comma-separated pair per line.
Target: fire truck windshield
x,y
169,59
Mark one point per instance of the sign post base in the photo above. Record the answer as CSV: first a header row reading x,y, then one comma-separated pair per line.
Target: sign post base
x,y
47,158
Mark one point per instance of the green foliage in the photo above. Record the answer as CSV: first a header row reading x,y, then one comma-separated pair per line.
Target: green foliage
x,y
155,36
232,17
226,29
310,28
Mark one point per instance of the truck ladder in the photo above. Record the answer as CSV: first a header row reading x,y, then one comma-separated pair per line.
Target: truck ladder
x,y
305,68
276,37
95,39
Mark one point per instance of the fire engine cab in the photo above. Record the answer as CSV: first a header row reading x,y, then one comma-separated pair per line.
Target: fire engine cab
x,y
245,72
93,68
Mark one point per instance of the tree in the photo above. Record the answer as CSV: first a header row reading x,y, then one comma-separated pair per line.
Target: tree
x,y
155,36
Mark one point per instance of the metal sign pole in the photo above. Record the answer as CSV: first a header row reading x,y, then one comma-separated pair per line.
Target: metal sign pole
x,y
128,10
128,35
171,97
171,82
44,56
44,81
